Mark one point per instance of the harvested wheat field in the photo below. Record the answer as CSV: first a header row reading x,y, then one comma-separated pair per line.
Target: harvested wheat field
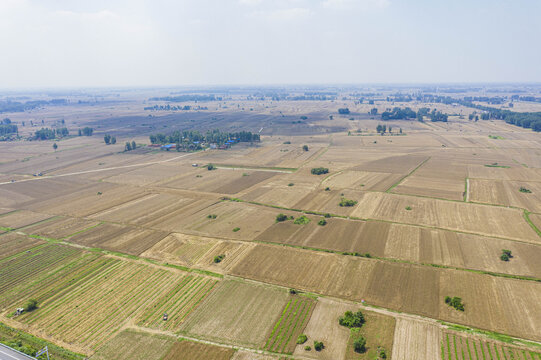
x,y
132,344
379,330
19,219
237,313
458,216
61,227
189,350
180,249
416,340
323,326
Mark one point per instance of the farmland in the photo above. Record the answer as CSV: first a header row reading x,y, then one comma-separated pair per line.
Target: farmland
x,y
153,253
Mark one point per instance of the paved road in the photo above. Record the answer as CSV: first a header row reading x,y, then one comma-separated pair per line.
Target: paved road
x,y
7,353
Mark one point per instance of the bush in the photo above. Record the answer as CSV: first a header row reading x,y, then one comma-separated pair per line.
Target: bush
x,y
281,217
327,189
318,345
287,142
211,167
351,319
219,258
382,353
504,257
319,171
346,202
408,207
31,305
302,339
359,345
524,190
327,215
305,147
307,348
322,222
292,291
236,229
212,216
303,220
455,302
290,184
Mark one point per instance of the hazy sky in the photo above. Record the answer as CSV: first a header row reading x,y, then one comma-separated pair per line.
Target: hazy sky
x,y
51,43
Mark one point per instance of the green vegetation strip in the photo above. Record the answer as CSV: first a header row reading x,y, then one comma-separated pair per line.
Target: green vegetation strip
x,y
405,176
256,167
30,344
529,221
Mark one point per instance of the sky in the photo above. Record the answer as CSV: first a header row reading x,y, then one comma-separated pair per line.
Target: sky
x,y
125,43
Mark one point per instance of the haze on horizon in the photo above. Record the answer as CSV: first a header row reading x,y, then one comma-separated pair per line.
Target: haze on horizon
x,y
98,43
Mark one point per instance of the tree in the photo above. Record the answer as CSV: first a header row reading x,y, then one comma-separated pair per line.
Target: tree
x,y
211,167
30,305
281,217
374,111
347,203
318,345
80,133
302,339
351,319
127,147
113,140
319,171
55,146
107,139
305,147
343,111
87,131
133,145
359,345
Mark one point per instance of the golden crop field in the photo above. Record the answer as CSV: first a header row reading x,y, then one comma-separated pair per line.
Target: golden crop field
x,y
255,249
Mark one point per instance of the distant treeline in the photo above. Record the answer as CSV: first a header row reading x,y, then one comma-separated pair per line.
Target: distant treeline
x,y
211,136
526,98
185,98
175,108
15,106
6,129
407,113
47,134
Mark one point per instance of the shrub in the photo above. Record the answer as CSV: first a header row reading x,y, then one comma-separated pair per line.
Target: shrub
x,y
302,339
219,258
455,302
303,220
31,305
211,167
408,207
504,257
236,229
346,202
292,291
524,190
382,354
305,147
281,217
327,189
359,345
322,222
307,348
290,184
319,171
507,252
327,215
212,216
351,319
287,142
318,345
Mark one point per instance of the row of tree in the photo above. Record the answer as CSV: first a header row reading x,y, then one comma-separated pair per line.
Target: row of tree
x,y
109,139
48,134
212,136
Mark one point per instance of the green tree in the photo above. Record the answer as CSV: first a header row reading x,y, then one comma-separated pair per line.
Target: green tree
x,y
55,146
359,345
281,217
127,147
107,139
133,145
31,305
113,140
305,147
351,319
318,345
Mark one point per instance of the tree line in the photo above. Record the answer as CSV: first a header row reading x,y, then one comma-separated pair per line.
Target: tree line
x,y
211,136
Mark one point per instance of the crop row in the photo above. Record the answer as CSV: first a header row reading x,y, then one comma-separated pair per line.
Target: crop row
x,y
26,265
463,348
178,303
290,324
93,302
